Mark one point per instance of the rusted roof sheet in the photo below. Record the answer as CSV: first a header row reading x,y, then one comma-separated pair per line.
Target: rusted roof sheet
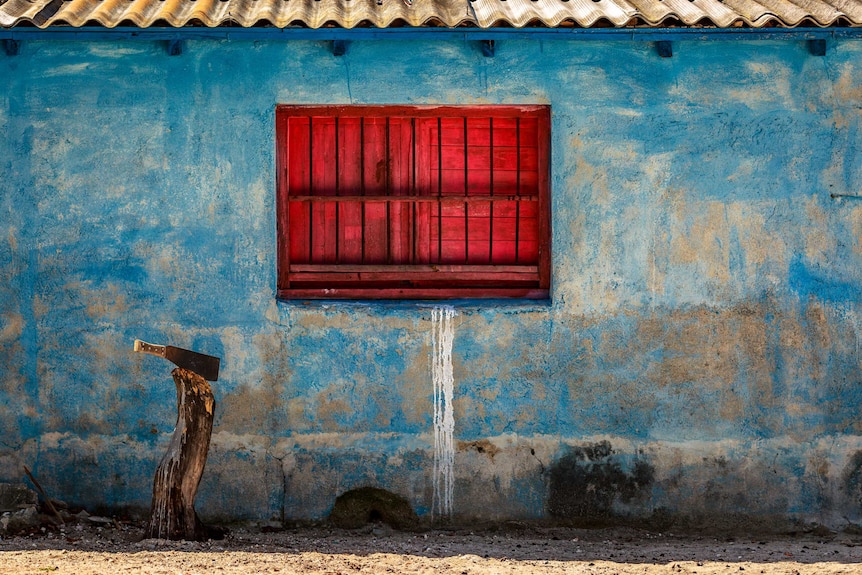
x,y
450,13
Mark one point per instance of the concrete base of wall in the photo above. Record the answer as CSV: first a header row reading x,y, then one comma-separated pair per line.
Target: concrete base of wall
x,y
763,485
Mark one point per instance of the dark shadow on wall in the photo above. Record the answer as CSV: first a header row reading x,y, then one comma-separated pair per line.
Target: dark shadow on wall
x,y
586,483
853,479
359,507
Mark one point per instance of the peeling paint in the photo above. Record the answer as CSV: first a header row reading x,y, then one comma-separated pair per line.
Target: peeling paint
x,y
11,328
704,318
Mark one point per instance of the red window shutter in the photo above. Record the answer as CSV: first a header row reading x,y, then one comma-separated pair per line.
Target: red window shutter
x,y
413,202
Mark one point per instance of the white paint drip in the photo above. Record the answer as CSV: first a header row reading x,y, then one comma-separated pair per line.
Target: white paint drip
x,y
444,418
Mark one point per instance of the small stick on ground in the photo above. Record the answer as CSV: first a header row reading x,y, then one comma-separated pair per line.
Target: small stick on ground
x,y
44,496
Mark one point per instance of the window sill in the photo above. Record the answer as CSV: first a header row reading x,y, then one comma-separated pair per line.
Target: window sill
x,y
404,294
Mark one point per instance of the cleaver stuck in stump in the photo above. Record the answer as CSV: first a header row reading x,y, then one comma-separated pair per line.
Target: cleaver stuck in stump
x,y
205,366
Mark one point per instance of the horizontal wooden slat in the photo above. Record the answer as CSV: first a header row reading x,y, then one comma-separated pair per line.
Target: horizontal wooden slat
x,y
404,269
416,199
471,278
524,158
414,293
376,111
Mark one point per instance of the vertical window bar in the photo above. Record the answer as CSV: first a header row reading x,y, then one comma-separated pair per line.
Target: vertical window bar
x,y
466,193
413,189
337,193
388,168
311,188
518,173
439,189
362,179
491,191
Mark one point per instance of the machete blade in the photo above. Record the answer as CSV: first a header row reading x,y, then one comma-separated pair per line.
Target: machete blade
x,y
206,366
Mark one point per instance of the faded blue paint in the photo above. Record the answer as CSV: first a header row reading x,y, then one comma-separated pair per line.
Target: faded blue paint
x,y
810,282
704,320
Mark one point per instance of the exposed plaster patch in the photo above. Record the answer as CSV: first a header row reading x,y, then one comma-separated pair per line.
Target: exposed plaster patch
x,y
249,442
820,248
66,70
412,384
247,408
589,179
260,200
348,317
236,347
736,367
52,440
273,312
297,414
569,285
626,112
703,240
764,253
334,441
605,279
108,303
11,327
854,221
849,315
482,446
781,79
333,406
848,89
746,169
114,52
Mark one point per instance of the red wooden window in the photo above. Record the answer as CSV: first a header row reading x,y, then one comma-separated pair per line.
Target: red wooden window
x,y
424,202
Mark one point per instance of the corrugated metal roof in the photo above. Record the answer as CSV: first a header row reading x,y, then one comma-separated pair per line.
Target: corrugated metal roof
x,y
450,13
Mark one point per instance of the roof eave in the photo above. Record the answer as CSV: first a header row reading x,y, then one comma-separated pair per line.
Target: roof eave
x,y
645,34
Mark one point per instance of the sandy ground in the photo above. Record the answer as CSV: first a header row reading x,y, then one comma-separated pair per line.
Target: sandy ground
x,y
516,549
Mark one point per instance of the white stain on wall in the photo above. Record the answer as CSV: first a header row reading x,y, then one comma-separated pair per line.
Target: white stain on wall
x,y
444,419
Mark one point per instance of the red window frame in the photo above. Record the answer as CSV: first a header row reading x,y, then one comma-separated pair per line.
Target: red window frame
x,y
413,202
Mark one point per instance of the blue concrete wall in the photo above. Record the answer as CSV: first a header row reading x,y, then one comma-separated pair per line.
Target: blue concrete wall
x,y
699,358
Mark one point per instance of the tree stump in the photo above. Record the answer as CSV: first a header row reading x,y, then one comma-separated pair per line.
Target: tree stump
x,y
179,473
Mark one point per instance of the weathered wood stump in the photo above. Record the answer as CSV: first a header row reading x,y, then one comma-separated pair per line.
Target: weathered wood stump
x,y
179,473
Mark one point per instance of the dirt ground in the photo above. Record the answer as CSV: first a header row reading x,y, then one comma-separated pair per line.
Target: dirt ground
x,y
86,548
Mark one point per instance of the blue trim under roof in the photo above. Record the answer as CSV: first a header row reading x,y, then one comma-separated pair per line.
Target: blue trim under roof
x,y
411,33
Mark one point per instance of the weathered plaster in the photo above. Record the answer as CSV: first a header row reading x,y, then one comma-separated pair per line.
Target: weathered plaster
x,y
698,359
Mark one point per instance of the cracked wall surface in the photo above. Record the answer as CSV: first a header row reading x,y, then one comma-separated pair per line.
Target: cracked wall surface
x,y
698,361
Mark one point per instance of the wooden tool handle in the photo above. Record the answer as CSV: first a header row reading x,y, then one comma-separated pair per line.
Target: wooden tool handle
x,y
152,349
